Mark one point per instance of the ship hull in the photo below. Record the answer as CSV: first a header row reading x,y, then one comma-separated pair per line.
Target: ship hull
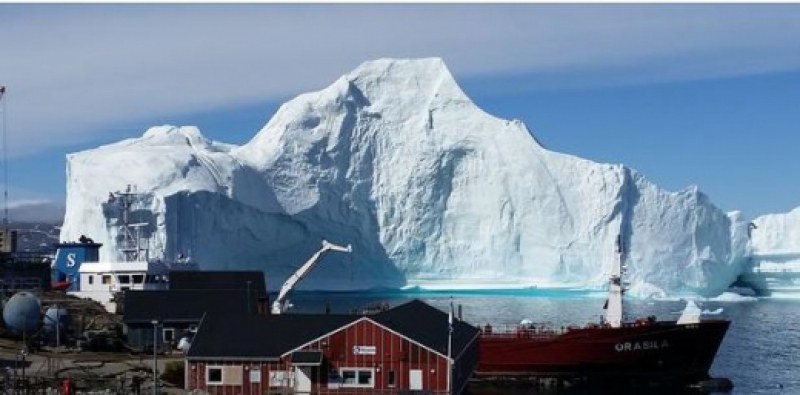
x,y
657,349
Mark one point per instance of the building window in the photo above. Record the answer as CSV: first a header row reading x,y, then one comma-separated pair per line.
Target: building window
x,y
278,378
91,279
390,379
365,378
214,375
224,375
348,377
106,279
168,335
124,279
138,278
353,377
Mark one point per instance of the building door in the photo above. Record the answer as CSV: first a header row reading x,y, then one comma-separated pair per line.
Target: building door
x,y
302,380
415,379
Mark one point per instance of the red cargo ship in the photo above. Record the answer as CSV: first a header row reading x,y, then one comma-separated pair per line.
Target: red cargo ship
x,y
645,348
659,349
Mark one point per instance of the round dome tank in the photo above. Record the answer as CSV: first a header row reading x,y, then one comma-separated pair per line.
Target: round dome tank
x,y
56,317
22,312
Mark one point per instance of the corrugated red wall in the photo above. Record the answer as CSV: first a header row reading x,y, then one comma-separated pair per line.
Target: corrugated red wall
x,y
393,353
196,377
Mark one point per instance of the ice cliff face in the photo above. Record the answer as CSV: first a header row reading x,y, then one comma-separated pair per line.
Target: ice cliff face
x,y
776,242
395,159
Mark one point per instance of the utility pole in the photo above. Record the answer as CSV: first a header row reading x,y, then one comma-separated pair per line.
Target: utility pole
x,y
58,329
5,159
450,349
23,353
155,357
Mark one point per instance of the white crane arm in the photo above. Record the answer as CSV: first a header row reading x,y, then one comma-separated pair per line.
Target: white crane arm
x,y
279,305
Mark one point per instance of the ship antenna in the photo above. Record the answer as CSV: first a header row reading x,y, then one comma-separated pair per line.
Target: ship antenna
x,y
5,159
613,314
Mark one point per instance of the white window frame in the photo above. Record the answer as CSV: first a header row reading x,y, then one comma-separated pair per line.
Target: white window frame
x,y
91,279
164,334
125,277
357,371
221,375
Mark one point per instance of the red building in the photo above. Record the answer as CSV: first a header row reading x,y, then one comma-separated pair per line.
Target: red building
x,y
399,350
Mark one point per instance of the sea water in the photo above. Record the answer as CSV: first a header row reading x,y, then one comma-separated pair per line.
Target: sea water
x,y
760,353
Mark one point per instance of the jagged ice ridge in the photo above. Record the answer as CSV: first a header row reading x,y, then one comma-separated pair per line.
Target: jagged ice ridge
x,y
395,159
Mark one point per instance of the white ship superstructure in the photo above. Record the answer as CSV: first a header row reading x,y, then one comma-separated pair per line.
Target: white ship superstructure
x,y
104,281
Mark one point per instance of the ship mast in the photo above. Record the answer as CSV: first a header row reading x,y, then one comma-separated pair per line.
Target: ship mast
x,y
613,314
129,234
5,161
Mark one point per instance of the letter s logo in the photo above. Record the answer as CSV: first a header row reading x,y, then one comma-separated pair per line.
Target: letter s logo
x,y
71,259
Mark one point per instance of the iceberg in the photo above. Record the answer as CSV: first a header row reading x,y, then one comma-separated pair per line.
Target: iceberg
x,y
775,239
773,256
430,190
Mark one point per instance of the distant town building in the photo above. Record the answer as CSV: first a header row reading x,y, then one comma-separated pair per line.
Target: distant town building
x,y
177,313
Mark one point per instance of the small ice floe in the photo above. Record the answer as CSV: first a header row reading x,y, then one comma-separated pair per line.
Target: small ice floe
x,y
731,297
690,314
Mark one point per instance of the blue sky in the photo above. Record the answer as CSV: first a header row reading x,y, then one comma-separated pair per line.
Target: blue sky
x,y
686,94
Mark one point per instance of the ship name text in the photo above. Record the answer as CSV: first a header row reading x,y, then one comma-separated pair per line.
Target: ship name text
x,y
641,345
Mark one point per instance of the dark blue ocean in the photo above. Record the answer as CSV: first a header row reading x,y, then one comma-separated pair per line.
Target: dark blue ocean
x,y
760,353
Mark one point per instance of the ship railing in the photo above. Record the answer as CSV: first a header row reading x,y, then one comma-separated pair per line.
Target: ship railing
x,y
641,321
535,331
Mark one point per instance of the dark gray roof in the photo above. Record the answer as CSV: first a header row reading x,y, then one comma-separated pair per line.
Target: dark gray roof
x,y
428,326
260,336
184,305
220,279
269,337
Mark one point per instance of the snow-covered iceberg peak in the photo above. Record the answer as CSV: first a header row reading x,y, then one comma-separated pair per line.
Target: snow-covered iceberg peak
x,y
407,86
394,158
168,135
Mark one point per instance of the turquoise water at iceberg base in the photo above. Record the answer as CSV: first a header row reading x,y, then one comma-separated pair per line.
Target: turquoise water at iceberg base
x,y
760,353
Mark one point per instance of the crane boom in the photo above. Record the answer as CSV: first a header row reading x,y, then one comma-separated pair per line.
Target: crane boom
x,y
280,304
